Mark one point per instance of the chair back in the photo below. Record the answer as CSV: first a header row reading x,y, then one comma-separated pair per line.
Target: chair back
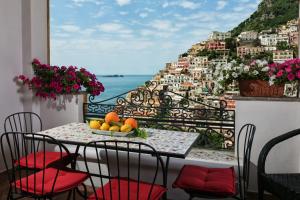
x,y
23,155
26,122
248,131
119,164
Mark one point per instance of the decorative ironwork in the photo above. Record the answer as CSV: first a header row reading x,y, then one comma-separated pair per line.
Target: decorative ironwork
x,y
154,106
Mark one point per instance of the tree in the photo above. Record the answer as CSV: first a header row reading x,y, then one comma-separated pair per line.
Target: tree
x,y
184,54
283,45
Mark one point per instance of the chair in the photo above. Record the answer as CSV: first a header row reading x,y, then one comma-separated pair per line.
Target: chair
x,y
213,183
29,122
284,186
51,180
116,177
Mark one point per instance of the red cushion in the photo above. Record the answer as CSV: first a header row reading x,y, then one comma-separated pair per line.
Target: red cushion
x,y
39,159
65,180
144,190
214,181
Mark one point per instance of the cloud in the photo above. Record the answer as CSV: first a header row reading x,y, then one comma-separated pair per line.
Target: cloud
x,y
221,4
70,28
143,15
123,13
80,3
162,25
149,9
123,2
182,3
114,28
100,13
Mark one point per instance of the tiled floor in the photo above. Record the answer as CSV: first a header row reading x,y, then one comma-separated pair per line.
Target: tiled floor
x,y
4,190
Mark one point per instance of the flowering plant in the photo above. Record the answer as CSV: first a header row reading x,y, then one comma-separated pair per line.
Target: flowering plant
x,y
228,74
49,81
287,72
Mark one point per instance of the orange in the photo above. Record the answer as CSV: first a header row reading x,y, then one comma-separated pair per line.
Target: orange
x,y
112,117
132,122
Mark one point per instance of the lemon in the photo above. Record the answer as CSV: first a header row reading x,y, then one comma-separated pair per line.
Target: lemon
x,y
94,124
126,128
105,127
114,128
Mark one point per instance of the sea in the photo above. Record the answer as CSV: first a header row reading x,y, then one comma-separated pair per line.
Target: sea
x,y
117,85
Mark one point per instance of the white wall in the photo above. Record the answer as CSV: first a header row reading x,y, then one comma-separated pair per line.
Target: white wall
x,y
272,118
11,58
66,109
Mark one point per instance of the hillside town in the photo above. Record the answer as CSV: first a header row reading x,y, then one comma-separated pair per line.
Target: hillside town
x,y
192,73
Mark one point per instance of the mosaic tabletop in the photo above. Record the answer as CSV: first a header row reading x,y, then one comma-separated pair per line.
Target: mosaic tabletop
x,y
166,142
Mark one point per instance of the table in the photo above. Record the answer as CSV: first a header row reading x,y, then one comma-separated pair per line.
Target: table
x,y
170,144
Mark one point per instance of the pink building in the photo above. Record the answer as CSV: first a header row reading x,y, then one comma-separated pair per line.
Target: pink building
x,y
215,45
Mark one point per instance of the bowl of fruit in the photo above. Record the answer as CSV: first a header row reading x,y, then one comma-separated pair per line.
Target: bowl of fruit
x,y
113,125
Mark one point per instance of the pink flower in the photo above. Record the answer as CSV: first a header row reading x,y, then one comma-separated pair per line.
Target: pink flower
x,y
54,84
291,76
63,68
68,89
36,61
288,68
76,87
22,77
279,73
58,89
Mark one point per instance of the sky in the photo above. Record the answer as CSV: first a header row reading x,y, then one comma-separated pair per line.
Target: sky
x,y
136,36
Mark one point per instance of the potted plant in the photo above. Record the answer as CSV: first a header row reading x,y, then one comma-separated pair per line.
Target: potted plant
x,y
252,79
50,81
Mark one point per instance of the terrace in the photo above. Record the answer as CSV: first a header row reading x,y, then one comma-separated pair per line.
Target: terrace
x,y
25,35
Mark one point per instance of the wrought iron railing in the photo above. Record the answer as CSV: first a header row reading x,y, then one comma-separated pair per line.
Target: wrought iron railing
x,y
154,106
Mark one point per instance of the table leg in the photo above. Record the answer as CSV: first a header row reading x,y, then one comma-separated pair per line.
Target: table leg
x,y
166,175
73,164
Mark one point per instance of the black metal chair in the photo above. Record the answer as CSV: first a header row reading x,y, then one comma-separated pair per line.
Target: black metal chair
x,y
22,152
284,186
25,122
29,122
116,177
215,183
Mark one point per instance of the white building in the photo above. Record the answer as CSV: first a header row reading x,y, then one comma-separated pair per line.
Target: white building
x,y
268,39
199,61
216,35
283,38
270,48
218,61
248,36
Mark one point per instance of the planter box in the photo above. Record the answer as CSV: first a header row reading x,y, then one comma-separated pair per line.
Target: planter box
x,y
259,88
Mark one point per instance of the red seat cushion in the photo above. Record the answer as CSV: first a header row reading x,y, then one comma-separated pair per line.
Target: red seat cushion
x,y
39,159
66,179
144,189
214,181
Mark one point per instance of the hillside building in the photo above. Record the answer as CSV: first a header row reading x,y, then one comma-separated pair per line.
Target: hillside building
x,y
247,36
245,50
268,39
216,35
216,45
282,55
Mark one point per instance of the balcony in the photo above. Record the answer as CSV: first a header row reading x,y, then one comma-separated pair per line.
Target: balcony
x,y
24,37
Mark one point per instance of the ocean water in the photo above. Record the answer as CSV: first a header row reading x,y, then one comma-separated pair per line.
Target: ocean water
x,y
118,85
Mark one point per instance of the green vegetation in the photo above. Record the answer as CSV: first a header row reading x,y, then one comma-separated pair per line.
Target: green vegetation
x,y
270,14
211,54
283,46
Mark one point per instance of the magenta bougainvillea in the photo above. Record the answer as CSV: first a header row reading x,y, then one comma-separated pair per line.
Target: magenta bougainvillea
x,y
50,81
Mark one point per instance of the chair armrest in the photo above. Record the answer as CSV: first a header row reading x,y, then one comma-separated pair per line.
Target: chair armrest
x,y
269,145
